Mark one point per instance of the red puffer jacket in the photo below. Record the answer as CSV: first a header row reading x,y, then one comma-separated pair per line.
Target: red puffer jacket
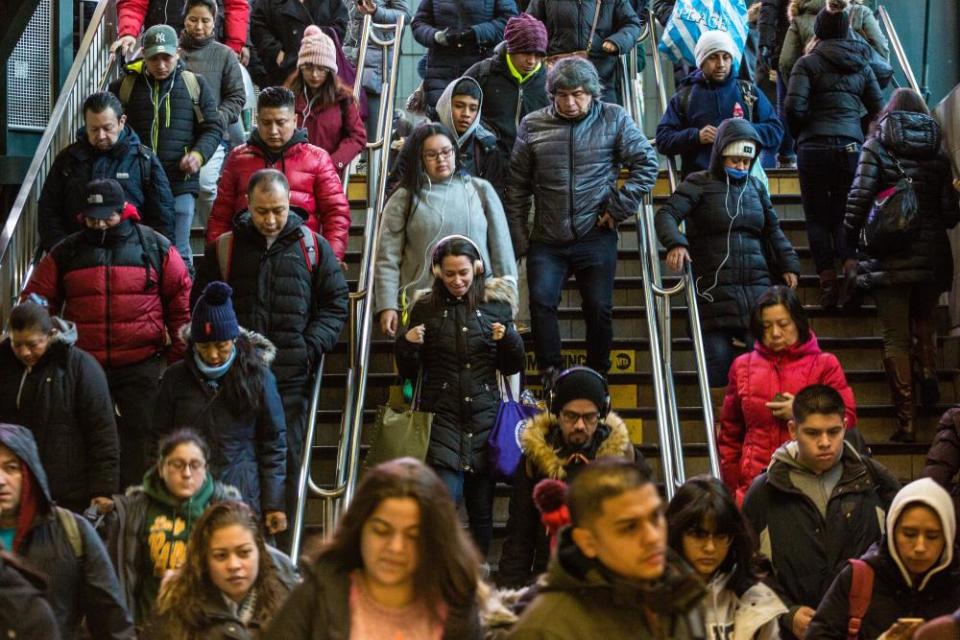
x,y
107,283
315,188
135,14
337,129
749,434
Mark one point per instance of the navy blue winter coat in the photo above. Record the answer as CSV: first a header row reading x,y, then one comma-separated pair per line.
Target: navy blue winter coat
x,y
248,447
710,104
61,200
487,18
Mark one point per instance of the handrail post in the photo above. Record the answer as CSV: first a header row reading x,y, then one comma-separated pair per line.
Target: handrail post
x,y
898,50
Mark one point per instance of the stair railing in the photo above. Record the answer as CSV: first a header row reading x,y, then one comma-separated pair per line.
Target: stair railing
x,y
631,80
336,497
657,305
897,48
93,67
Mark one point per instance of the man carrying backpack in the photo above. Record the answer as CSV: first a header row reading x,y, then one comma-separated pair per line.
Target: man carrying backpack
x,y
287,285
706,98
174,112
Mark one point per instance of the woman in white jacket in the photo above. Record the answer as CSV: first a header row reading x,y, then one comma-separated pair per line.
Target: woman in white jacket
x,y
707,529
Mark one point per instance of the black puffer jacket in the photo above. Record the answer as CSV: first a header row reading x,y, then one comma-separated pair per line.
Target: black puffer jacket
x,y
571,168
278,25
64,400
24,610
506,101
167,105
772,26
913,140
707,201
486,18
127,162
891,598
276,295
831,89
568,24
248,447
460,361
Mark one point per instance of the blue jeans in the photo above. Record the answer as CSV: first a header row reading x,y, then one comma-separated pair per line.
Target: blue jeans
x,y
183,207
475,490
826,171
593,260
721,352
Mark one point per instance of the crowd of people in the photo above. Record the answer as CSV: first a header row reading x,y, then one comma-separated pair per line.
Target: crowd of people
x,y
153,407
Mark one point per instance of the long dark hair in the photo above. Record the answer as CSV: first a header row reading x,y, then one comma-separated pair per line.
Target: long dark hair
x,y
456,247
242,386
182,599
702,499
779,294
448,565
414,174
902,99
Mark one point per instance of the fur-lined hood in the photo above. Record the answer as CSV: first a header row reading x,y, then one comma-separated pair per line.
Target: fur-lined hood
x,y
495,290
547,459
813,7
260,344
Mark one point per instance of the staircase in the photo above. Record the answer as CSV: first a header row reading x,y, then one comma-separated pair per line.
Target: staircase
x,y
854,337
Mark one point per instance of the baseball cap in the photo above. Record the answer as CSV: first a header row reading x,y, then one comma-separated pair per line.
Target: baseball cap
x,y
104,198
160,38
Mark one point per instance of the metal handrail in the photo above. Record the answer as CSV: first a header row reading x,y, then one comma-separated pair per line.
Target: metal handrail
x,y
360,322
657,307
897,47
92,68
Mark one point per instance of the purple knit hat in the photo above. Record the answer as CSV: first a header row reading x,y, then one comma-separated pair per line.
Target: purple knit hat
x,y
525,34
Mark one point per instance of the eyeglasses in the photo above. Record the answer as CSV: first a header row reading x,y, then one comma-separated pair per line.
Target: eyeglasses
x,y
701,537
180,466
572,417
433,156
313,68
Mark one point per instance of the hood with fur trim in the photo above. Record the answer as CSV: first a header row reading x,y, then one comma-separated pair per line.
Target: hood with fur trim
x,y
930,494
266,351
494,290
534,443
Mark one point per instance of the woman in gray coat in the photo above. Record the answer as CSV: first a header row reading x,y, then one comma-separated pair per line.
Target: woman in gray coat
x,y
434,200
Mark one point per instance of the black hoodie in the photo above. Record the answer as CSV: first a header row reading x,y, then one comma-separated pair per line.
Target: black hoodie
x,y
831,89
80,587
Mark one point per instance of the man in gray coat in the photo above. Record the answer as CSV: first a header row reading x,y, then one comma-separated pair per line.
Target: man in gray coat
x,y
568,157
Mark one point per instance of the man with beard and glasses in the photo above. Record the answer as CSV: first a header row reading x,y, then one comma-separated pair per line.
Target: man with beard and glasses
x,y
578,429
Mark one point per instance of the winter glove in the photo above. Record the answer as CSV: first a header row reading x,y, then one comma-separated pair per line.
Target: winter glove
x,y
442,38
462,37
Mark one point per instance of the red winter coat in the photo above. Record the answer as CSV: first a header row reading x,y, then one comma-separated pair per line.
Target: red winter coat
x,y
337,129
105,283
315,188
132,15
749,434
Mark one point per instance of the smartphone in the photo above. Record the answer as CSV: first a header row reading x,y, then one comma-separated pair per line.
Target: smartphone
x,y
779,397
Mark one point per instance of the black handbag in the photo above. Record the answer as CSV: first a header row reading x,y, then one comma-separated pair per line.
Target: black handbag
x,y
894,220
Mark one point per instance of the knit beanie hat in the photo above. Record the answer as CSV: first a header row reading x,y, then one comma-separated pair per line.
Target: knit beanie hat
x,y
740,149
214,319
317,48
831,25
711,42
525,34
578,383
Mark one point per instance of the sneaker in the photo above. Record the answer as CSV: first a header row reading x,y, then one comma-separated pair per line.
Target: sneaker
x,y
787,163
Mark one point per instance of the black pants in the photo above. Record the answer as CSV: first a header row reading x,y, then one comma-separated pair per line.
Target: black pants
x,y
295,408
134,390
826,168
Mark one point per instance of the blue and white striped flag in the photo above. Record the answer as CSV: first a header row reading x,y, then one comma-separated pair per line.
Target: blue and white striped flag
x,y
690,18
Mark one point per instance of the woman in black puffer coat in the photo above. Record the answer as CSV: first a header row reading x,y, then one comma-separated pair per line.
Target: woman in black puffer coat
x,y
906,285
731,229
460,334
831,89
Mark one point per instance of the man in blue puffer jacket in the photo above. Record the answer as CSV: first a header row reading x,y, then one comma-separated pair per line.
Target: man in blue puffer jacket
x,y
706,98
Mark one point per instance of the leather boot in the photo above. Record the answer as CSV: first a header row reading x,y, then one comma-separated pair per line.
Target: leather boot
x,y
850,297
901,390
925,367
829,289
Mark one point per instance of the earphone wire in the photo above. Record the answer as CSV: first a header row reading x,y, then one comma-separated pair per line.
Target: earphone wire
x,y
705,294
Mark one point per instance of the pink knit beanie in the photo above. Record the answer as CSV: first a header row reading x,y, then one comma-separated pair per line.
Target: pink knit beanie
x,y
317,48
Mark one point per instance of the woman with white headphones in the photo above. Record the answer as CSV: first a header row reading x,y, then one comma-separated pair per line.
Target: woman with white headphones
x,y
460,335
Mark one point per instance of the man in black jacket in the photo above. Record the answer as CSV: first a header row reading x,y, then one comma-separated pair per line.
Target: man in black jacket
x,y
58,543
568,157
105,148
175,113
514,78
578,429
287,285
818,504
